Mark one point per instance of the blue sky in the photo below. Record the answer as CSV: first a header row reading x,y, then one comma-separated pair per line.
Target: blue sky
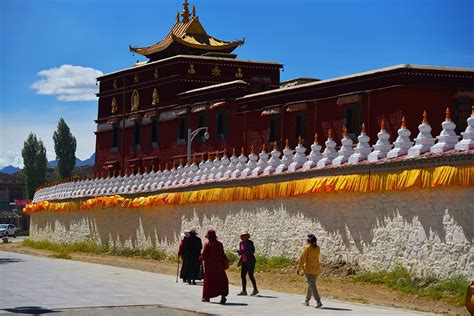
x,y
322,39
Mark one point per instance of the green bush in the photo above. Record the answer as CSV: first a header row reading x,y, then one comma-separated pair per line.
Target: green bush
x,y
232,256
268,263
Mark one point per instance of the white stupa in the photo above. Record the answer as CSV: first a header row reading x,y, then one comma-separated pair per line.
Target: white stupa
x,y
382,146
299,158
274,161
262,162
314,155
467,141
286,160
403,143
240,165
216,163
329,152
362,149
251,164
424,141
346,149
447,139
193,168
223,166
200,171
207,168
232,166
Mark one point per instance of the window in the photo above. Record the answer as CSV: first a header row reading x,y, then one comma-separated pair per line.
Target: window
x,y
353,120
202,122
154,133
461,111
182,130
115,135
221,124
274,124
136,142
300,127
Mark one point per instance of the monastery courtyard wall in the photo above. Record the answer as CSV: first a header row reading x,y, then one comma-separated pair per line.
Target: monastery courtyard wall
x,y
429,231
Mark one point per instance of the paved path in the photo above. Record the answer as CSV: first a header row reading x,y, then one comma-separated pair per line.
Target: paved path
x,y
56,284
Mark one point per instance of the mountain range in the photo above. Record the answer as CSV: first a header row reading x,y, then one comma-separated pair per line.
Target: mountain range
x,y
52,164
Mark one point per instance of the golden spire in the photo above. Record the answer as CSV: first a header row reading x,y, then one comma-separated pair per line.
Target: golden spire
x,y
404,122
448,114
264,147
252,150
382,125
185,13
159,166
330,134
233,152
300,140
287,144
209,156
177,16
194,11
166,166
344,132
425,118
363,128
472,110
315,138
242,151
225,152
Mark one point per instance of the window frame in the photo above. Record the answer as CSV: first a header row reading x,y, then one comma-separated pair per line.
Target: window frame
x,y
222,132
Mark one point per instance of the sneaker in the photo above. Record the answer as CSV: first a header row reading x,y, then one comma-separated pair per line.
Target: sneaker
x,y
318,305
305,303
223,300
255,292
243,293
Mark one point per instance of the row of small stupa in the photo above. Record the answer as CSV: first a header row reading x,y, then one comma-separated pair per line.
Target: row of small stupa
x,y
265,164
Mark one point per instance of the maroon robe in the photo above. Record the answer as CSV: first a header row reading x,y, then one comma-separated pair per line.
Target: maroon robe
x,y
215,278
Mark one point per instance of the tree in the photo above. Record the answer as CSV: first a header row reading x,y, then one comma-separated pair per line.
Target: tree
x,y
34,159
65,148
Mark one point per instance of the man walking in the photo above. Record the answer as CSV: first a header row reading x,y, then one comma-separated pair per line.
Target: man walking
x,y
247,263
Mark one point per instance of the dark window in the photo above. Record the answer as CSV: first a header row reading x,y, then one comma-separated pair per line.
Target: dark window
x,y
353,120
221,124
115,135
154,133
137,135
202,121
461,111
274,134
182,129
300,127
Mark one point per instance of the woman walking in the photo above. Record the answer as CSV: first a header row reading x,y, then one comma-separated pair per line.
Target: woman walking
x,y
247,263
309,262
215,264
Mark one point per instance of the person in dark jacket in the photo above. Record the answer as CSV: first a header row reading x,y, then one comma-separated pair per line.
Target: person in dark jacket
x,y
183,241
247,263
215,264
191,250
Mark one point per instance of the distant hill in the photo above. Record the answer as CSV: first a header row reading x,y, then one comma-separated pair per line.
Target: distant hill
x,y
79,163
10,169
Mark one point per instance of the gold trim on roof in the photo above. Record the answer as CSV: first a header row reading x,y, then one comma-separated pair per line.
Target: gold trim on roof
x,y
135,101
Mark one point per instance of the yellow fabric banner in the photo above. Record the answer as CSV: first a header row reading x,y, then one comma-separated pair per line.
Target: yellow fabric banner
x,y
444,176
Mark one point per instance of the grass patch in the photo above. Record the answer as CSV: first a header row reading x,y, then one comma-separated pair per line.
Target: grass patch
x,y
64,250
269,263
451,290
62,255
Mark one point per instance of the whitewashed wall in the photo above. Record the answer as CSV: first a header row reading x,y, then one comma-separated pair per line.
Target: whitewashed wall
x,y
429,231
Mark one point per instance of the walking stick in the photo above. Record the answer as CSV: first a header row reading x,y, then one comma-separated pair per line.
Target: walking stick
x,y
177,271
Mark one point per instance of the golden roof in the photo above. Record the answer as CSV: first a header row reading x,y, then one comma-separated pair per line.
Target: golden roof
x,y
190,33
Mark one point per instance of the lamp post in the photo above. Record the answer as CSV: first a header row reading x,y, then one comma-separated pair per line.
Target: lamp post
x,y
191,135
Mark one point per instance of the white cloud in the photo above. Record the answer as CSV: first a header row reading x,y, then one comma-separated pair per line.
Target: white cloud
x,y
11,158
68,83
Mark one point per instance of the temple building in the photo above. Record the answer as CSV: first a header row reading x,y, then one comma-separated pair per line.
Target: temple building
x,y
192,79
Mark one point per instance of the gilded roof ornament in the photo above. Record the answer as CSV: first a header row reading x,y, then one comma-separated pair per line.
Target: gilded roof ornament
x,y
135,100
155,74
425,118
239,73
448,114
194,11
155,99
185,14
191,69
404,122
216,71
114,105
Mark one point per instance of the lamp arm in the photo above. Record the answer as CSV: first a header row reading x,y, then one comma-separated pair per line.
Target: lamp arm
x,y
196,131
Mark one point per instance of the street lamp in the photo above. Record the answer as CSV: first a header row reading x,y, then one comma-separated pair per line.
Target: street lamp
x,y
191,135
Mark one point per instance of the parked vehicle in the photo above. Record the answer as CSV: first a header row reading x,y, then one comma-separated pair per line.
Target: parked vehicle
x,y
7,230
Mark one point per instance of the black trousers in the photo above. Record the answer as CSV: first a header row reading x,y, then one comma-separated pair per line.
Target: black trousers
x,y
248,268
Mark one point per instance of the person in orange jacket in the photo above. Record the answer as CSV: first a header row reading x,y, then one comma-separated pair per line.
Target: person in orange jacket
x,y
309,262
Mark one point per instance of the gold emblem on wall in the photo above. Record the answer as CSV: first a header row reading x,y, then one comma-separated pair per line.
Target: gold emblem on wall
x,y
155,99
115,84
239,73
136,78
114,105
191,69
156,74
216,71
135,100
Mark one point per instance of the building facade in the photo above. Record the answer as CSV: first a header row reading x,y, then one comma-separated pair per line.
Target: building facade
x,y
193,80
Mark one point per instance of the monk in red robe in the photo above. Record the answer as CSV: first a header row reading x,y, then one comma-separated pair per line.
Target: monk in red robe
x,y
215,264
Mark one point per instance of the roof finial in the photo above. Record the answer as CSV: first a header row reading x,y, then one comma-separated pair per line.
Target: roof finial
x,y
185,13
448,114
382,125
315,138
425,118
330,134
194,11
404,122
287,144
363,128
300,140
344,132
